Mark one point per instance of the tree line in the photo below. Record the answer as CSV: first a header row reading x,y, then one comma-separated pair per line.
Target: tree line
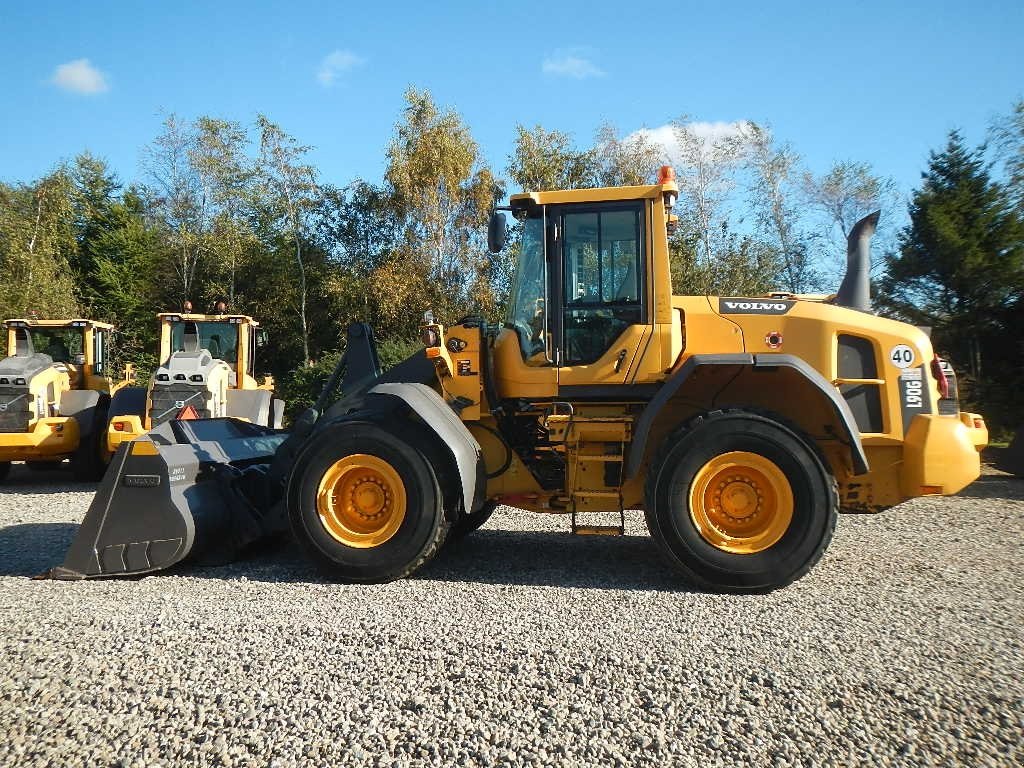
x,y
223,209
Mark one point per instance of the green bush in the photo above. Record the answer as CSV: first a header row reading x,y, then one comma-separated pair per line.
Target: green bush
x,y
302,386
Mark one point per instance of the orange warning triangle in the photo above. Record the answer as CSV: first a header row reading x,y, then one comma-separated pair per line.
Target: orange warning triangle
x,y
188,412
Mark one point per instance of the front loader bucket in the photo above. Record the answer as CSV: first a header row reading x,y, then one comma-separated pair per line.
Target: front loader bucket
x,y
186,489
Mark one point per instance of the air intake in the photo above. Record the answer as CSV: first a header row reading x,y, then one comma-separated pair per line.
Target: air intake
x,y
855,290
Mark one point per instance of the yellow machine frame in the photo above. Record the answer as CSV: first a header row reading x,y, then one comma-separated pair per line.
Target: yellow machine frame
x,y
51,436
127,427
933,454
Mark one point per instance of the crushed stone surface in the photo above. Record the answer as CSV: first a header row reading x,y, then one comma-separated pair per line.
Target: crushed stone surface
x,y
523,645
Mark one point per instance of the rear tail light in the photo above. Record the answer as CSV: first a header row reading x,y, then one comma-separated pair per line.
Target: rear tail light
x,y
940,377
119,426
979,423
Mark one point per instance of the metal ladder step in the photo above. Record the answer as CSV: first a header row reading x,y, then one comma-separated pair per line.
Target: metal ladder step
x,y
600,530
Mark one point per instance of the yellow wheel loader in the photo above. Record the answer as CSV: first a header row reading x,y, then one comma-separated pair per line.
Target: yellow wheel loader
x,y
739,425
207,368
55,394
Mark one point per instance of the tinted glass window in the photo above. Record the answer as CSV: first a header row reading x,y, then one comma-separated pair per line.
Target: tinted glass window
x,y
61,344
603,274
219,339
526,305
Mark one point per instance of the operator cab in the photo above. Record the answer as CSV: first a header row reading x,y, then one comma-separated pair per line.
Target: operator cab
x,y
580,304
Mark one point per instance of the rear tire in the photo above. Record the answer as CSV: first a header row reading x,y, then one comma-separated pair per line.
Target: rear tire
x,y
88,461
740,503
352,531
5,470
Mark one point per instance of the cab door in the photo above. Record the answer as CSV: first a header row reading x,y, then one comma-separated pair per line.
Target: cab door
x,y
602,323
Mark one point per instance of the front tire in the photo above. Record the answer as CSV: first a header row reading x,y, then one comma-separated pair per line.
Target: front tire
x,y
365,504
5,470
468,523
741,503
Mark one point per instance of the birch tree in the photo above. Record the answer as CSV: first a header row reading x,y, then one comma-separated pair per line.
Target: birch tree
x,y
706,167
290,190
773,201
623,162
36,244
225,172
849,191
177,198
547,160
443,192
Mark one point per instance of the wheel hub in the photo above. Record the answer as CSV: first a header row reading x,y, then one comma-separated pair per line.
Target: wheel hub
x,y
361,500
741,502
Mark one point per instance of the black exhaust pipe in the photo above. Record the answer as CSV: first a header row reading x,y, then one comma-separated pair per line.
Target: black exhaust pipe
x,y
855,290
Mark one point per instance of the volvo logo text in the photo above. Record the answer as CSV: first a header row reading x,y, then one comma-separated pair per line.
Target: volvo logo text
x,y
753,307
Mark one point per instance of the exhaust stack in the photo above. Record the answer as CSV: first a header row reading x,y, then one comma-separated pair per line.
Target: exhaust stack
x,y
855,290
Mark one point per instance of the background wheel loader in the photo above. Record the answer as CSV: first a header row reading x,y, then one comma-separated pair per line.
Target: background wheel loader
x,y
54,395
206,363
740,425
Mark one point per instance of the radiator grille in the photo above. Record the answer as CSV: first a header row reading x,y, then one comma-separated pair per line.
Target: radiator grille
x,y
14,410
168,400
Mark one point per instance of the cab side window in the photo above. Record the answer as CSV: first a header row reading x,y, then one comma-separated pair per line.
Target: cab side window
x,y
602,253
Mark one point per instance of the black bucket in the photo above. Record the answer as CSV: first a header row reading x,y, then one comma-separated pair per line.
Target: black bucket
x,y
187,490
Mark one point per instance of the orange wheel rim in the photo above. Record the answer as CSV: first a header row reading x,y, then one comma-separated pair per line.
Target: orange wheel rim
x,y
361,501
741,503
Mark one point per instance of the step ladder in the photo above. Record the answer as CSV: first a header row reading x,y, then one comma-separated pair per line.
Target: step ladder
x,y
599,530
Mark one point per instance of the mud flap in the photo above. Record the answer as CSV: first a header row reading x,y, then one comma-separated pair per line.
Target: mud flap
x,y
186,490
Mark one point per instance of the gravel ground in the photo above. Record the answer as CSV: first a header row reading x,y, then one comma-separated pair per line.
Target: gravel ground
x,y
523,646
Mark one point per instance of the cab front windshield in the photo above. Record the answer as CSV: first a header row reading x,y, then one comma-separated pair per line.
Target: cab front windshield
x,y
218,338
527,304
61,344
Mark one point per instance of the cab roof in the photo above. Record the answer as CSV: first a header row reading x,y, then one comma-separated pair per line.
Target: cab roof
x,y
173,317
78,322
594,195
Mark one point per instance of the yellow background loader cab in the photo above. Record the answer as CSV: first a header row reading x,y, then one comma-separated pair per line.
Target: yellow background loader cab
x,y
206,362
740,425
54,394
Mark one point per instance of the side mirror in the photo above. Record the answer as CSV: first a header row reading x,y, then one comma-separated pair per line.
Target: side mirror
x,y
497,232
261,337
79,359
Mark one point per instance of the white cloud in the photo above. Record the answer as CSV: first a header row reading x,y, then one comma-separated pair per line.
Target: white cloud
x,y
708,133
571,63
79,76
335,64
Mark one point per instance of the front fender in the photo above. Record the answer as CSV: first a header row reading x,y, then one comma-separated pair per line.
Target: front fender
x,y
438,416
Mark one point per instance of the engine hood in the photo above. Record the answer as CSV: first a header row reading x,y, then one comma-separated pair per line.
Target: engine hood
x,y
23,368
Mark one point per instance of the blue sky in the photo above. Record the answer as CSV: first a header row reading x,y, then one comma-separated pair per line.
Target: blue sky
x,y
880,82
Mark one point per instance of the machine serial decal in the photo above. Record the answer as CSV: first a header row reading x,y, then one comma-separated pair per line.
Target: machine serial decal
x,y
753,307
141,481
914,395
